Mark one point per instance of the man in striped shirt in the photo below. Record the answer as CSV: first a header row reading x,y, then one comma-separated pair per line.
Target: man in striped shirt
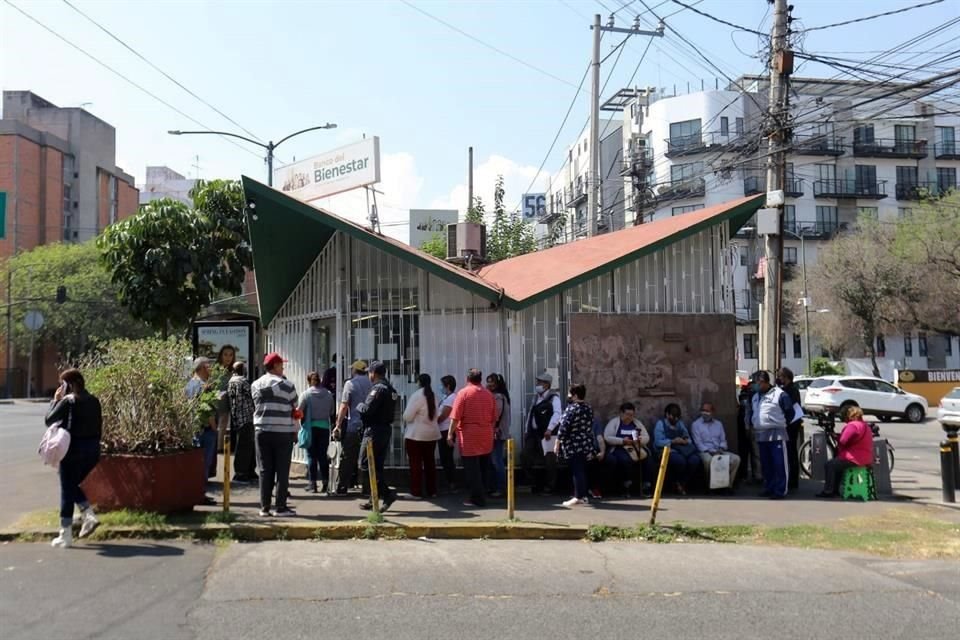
x,y
274,400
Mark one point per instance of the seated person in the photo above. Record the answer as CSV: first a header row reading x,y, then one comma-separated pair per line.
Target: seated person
x,y
711,440
626,439
854,449
684,460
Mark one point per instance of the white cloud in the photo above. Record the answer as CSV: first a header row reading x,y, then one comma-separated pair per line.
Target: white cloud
x,y
516,179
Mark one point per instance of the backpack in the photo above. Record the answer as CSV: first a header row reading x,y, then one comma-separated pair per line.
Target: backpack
x,y
55,442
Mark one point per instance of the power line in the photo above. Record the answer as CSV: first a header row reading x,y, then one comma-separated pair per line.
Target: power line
x,y
716,19
873,17
120,75
161,71
485,44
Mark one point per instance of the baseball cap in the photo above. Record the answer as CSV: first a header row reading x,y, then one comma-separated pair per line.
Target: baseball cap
x,y
378,367
272,358
545,377
200,362
359,365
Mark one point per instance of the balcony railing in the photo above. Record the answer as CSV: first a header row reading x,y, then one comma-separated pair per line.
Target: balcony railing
x,y
818,145
811,229
916,190
946,150
575,194
890,148
850,189
753,185
686,188
703,142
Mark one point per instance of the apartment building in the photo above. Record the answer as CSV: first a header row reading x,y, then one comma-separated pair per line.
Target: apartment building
x,y
164,182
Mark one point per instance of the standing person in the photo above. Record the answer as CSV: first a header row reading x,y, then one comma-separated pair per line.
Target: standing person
x,y
501,432
541,426
241,426
746,438
684,458
79,413
420,437
854,449
447,398
349,425
376,412
794,428
772,412
316,404
330,376
622,434
575,441
226,358
711,440
274,401
471,423
200,382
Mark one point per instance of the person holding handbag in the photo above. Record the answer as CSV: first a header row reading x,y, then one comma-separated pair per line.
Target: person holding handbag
x,y
80,413
316,404
684,462
627,439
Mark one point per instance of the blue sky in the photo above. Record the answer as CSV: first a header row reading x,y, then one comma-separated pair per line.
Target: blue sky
x,y
382,68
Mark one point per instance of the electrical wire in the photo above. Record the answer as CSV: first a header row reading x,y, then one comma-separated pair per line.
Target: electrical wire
x,y
873,17
716,19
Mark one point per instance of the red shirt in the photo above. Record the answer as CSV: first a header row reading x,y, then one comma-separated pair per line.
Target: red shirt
x,y
475,411
856,443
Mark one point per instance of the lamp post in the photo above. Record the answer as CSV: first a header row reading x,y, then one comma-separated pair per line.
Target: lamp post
x,y
269,146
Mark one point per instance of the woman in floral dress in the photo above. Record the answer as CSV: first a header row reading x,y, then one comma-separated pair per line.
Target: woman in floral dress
x,y
575,441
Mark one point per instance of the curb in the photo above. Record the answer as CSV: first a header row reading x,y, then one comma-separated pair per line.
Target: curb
x,y
292,530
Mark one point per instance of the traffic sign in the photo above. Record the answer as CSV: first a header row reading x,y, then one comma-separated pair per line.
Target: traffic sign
x,y
33,320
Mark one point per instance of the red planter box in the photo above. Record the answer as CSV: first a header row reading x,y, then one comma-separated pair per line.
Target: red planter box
x,y
164,484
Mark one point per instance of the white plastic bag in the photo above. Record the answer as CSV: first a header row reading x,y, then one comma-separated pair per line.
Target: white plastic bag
x,y
720,471
54,444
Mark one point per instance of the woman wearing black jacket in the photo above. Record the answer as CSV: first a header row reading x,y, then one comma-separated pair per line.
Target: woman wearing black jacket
x,y
78,412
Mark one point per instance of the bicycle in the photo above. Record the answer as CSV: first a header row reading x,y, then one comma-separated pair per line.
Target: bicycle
x,y
829,428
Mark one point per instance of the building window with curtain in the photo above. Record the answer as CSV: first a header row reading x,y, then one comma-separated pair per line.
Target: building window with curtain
x,y
797,346
750,346
908,345
881,346
922,344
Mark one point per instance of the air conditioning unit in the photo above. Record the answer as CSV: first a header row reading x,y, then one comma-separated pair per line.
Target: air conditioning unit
x,y
466,239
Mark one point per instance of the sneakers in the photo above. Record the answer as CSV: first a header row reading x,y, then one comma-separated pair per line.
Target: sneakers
x,y
285,512
89,523
64,540
265,513
387,501
572,502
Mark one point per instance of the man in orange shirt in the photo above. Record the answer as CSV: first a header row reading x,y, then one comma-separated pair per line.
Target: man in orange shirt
x,y
471,424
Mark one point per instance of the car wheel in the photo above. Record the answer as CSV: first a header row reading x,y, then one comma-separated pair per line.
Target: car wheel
x,y
846,406
915,413
884,417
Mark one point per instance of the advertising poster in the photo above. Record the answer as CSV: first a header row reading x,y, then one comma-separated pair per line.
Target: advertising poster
x,y
211,338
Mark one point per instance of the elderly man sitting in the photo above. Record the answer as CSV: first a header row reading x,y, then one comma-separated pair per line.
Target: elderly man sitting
x,y
711,440
626,442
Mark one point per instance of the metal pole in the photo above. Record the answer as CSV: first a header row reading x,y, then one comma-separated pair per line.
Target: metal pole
x,y
226,470
270,148
806,306
470,180
30,368
593,175
511,491
372,468
947,484
658,490
9,347
954,441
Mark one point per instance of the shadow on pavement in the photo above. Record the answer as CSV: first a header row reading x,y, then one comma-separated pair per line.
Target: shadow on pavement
x,y
143,550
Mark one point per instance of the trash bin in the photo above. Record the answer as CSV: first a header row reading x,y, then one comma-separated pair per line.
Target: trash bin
x,y
881,467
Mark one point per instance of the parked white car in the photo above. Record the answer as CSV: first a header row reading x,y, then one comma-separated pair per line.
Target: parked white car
x,y
802,383
949,410
832,395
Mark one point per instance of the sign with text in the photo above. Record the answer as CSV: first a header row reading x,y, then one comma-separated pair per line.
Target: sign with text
x,y
534,206
211,338
355,165
425,223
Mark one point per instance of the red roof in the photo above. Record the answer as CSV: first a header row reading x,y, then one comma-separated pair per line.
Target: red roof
x,y
531,275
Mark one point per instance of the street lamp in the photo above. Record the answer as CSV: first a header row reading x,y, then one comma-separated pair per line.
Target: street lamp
x,y
269,146
806,298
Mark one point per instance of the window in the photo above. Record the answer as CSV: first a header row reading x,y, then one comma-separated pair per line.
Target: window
x,y
744,257
826,172
681,172
922,344
112,186
946,178
783,343
947,141
790,255
724,126
750,346
685,134
797,346
676,211
949,344
881,346
863,134
904,134
908,345
738,123
866,179
907,175
870,213
790,217
883,387
827,220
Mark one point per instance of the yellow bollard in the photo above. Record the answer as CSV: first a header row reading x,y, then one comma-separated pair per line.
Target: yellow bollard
x,y
511,492
372,467
661,476
226,472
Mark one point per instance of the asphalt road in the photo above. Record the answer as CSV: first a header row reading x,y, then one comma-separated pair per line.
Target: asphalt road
x,y
468,589
30,485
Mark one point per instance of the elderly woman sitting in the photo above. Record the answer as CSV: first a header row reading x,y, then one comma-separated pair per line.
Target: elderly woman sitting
x,y
626,451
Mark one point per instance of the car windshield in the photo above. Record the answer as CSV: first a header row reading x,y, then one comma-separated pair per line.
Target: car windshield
x,y
954,395
819,383
802,384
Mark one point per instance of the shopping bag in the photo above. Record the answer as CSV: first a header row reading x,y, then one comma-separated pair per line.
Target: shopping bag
x,y
304,436
334,456
54,444
720,471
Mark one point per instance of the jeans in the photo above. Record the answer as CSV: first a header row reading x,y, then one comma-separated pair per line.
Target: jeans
x,y
273,457
81,458
348,461
773,460
380,436
317,458
473,471
244,456
683,467
625,469
423,466
498,467
795,436
578,465
532,456
208,442
446,459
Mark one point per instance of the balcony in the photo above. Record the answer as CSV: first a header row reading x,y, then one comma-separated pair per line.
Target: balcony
x,y
890,148
679,189
752,185
946,151
575,194
818,145
849,189
916,190
704,142
820,229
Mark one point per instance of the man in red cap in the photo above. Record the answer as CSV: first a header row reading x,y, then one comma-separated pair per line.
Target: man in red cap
x,y
274,401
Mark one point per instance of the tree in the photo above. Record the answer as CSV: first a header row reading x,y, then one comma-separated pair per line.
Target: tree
x,y
170,261
476,213
509,235
91,313
436,246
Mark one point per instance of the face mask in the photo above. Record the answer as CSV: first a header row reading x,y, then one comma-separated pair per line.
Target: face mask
x,y
539,389
707,417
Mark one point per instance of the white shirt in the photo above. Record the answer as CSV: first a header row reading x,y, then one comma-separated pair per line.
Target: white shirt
x,y
447,402
417,418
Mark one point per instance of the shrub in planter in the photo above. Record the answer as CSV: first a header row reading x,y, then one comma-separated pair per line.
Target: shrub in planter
x,y
149,459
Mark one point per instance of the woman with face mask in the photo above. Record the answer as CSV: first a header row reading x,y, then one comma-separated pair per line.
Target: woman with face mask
x,y
448,396
684,461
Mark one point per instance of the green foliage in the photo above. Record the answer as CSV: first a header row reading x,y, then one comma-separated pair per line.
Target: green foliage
x,y
822,367
509,235
665,534
141,385
477,213
92,312
436,246
170,261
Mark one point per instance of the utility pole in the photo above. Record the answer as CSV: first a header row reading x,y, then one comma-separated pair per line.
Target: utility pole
x,y
470,180
781,65
593,176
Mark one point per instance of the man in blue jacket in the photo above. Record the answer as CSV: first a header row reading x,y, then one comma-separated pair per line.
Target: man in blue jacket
x,y
772,412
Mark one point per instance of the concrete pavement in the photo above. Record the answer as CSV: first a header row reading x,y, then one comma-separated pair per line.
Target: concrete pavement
x,y
468,589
